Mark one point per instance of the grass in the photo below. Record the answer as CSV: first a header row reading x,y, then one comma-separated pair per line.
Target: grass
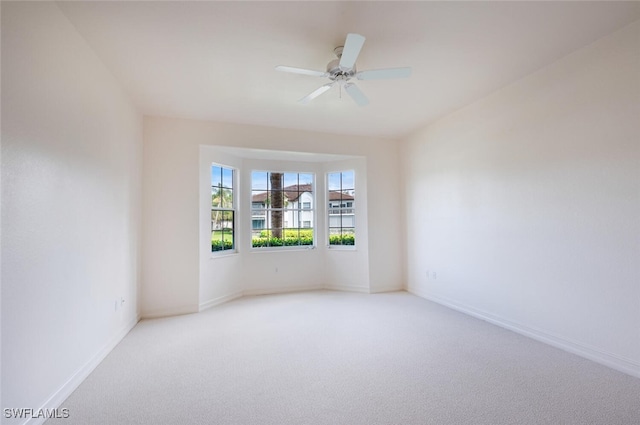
x,y
216,235
217,242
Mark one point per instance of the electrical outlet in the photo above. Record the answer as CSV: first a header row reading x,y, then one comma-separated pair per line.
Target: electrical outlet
x,y
434,276
427,274
276,270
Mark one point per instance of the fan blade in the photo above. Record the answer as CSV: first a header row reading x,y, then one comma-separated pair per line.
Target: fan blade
x,y
302,71
383,74
317,92
350,51
356,94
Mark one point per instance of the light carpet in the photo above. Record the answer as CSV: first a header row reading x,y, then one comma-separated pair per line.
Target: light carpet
x,y
344,358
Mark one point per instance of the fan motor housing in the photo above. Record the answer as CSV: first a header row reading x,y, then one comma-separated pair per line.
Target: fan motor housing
x,y
333,67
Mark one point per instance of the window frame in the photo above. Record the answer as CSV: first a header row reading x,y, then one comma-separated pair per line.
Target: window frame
x,y
329,208
300,210
233,209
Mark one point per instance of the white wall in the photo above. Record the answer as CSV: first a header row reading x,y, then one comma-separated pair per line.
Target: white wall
x,y
71,158
526,204
349,268
172,202
0,230
220,275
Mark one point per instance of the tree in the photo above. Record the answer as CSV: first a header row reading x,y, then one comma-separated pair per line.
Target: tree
x,y
277,203
220,198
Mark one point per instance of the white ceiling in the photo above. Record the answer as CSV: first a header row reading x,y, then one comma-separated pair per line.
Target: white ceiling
x,y
215,60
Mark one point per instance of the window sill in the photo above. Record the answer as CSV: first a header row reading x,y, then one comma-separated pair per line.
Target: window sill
x,y
223,254
342,247
284,248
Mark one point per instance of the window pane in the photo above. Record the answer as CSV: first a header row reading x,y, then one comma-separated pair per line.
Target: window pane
x,y
221,187
259,199
335,236
335,196
348,237
216,199
276,199
333,181
227,178
341,236
227,198
216,176
227,234
260,238
222,234
348,220
305,179
276,181
306,216
341,208
259,181
277,217
348,180
217,220
222,214
290,220
290,180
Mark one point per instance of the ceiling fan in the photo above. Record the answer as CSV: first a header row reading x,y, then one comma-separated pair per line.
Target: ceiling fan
x,y
340,71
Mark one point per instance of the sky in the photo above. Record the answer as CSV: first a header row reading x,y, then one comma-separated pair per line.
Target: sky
x,y
341,181
221,175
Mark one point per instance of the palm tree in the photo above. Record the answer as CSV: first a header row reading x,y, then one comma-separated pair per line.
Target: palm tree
x,y
277,203
220,198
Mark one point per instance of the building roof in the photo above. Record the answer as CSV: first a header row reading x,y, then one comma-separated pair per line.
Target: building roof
x,y
293,192
336,195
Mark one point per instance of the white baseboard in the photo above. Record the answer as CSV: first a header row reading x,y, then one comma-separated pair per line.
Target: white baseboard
x,y
611,360
280,290
219,300
348,288
59,396
289,289
155,314
264,291
390,288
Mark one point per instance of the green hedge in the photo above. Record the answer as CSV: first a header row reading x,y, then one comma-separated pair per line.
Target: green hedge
x,y
342,240
286,241
305,239
291,233
221,245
